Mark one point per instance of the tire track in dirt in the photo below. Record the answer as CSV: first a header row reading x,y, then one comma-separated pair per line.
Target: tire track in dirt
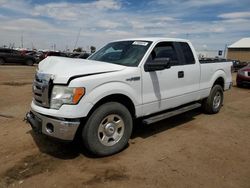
x,y
6,116
108,175
27,167
15,83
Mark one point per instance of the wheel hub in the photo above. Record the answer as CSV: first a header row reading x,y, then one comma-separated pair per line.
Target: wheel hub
x,y
109,129
217,100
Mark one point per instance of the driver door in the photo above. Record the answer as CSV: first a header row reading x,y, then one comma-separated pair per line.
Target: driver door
x,y
170,87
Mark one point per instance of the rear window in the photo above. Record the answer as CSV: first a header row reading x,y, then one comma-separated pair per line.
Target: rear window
x,y
187,52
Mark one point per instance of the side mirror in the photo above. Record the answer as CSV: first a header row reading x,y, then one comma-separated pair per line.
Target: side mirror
x,y
157,64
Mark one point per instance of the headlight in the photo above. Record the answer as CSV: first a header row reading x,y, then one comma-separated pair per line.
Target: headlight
x,y
242,73
65,95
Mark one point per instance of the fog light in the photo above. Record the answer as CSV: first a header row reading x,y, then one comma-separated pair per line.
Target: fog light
x,y
49,128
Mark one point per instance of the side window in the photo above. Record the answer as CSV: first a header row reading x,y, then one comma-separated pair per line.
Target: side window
x,y
165,50
187,52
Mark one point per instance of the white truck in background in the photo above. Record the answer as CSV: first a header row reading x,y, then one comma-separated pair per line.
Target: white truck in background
x,y
146,78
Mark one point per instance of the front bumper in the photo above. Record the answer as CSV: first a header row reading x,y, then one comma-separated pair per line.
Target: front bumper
x,y
242,79
63,129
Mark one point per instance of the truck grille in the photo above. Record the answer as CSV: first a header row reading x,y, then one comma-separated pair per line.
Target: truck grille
x,y
42,89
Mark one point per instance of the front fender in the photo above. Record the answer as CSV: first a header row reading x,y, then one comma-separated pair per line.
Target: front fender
x,y
111,88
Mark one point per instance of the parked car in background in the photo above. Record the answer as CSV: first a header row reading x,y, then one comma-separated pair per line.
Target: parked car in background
x,y
243,76
44,54
73,54
83,55
238,65
55,53
34,54
40,55
10,56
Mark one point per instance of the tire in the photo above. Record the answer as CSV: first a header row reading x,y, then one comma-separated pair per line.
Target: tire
x,y
29,62
2,62
108,129
213,103
240,85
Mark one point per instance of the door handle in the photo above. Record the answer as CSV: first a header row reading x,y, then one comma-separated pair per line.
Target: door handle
x,y
181,74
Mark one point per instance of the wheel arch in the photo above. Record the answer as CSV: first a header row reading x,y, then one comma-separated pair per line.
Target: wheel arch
x,y
218,78
120,98
219,81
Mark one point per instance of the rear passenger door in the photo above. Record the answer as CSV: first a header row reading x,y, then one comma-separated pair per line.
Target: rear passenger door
x,y
174,86
191,72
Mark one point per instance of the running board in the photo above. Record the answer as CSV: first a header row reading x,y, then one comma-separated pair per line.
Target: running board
x,y
165,115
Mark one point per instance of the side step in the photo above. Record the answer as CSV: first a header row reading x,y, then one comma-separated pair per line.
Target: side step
x,y
168,114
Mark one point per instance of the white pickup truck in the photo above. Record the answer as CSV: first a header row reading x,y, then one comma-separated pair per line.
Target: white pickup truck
x,y
146,78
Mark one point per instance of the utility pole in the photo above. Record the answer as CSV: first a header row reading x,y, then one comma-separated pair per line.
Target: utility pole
x,y
77,38
225,51
22,40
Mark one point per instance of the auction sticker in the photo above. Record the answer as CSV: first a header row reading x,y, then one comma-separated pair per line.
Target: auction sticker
x,y
140,43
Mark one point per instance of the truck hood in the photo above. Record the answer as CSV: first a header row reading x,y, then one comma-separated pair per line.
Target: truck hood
x,y
63,69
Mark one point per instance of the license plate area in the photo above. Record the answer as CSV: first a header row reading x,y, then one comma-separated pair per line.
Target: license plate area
x,y
36,123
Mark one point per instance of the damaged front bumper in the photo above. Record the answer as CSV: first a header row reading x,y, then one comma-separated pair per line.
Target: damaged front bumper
x,y
60,128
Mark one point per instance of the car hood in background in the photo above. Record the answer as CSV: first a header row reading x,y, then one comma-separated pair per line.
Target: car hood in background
x,y
63,68
246,68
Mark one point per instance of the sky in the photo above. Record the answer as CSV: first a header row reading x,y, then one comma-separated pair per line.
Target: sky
x,y
208,24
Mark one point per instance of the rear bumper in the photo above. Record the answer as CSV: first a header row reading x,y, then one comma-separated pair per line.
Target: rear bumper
x,y
228,86
63,129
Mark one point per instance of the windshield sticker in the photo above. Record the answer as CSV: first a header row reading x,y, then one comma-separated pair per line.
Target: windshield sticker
x,y
140,43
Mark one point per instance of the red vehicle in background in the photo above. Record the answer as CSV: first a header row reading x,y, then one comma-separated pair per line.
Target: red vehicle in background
x,y
243,76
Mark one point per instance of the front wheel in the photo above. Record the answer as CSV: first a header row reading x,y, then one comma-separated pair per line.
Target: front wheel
x,y
239,84
213,103
108,129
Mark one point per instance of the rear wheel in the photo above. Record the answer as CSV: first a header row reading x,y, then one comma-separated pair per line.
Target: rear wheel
x,y
213,103
29,62
108,129
2,62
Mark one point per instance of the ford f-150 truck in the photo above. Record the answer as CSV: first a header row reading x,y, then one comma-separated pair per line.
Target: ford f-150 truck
x,y
146,78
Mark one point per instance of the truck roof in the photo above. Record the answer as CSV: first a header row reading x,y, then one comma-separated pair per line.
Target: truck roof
x,y
154,39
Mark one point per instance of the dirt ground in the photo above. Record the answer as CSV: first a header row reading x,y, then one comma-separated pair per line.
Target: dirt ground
x,y
189,150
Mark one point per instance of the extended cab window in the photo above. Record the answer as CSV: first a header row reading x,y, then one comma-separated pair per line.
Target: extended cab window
x,y
128,53
165,50
187,52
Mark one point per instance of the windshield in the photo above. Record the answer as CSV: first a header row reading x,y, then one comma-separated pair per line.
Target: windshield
x,y
128,53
